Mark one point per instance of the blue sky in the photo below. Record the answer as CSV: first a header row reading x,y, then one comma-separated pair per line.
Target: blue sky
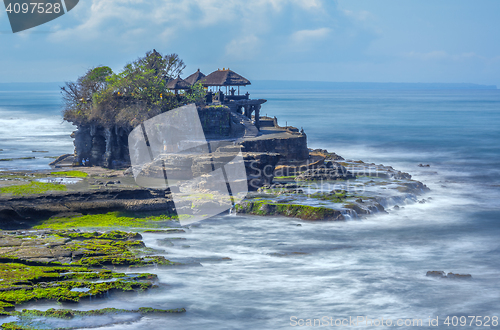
x,y
449,41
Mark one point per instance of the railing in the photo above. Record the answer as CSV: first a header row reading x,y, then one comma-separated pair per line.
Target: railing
x,y
236,97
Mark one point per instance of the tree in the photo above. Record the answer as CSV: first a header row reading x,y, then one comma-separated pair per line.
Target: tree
x,y
78,96
127,98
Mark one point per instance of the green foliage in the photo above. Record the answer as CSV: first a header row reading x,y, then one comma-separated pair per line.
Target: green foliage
x,y
32,188
131,96
214,107
78,96
196,94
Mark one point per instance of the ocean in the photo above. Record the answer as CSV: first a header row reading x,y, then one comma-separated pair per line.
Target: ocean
x,y
32,129
371,268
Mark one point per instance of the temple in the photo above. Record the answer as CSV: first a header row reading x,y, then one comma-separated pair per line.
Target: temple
x,y
230,119
220,86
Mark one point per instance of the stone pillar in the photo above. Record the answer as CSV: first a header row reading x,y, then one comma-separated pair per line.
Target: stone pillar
x,y
257,116
248,114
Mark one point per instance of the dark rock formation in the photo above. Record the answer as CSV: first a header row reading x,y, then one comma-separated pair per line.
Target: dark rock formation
x,y
108,147
459,276
292,147
304,212
331,171
24,211
259,166
103,146
436,273
414,187
325,153
441,274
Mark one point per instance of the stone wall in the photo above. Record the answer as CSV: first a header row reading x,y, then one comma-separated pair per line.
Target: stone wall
x,y
291,147
216,121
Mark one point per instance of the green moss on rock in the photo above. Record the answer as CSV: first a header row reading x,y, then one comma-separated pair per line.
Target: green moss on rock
x,y
304,212
70,174
107,220
23,279
30,319
32,188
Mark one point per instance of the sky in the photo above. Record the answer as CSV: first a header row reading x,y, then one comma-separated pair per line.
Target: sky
x,y
428,41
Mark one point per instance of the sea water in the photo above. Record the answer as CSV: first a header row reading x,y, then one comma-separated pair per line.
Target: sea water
x,y
32,131
283,270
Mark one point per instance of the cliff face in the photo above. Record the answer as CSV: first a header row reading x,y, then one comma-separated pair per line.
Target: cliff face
x,y
107,147
292,147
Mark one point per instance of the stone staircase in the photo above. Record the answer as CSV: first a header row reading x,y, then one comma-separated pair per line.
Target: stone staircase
x,y
250,129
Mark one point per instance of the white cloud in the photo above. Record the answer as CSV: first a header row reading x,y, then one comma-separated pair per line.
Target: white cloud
x,y
237,28
310,35
203,32
362,15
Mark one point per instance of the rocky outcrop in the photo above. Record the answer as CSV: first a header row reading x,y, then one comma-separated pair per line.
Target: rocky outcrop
x,y
259,166
103,146
108,146
330,171
326,154
304,212
441,274
290,147
24,211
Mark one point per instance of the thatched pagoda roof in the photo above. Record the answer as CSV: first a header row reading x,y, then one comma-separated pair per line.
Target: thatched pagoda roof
x,y
178,83
195,77
224,78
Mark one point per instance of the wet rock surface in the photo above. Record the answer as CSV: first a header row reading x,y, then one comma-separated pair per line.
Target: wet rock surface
x,y
70,265
331,171
441,274
24,211
333,190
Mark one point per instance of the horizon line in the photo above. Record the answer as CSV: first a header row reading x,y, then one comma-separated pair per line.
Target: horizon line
x,y
318,82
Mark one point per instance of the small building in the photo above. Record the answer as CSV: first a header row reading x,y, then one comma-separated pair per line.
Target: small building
x,y
195,77
178,84
225,78
238,103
